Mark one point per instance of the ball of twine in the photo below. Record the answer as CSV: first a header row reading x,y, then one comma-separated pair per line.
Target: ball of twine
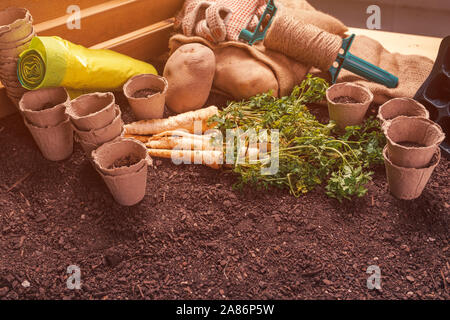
x,y
305,43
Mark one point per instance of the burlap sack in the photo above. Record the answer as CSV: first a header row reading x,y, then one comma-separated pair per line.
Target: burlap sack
x,y
243,71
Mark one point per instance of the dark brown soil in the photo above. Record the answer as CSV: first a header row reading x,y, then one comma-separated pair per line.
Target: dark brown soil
x,y
126,161
144,93
193,236
345,99
409,144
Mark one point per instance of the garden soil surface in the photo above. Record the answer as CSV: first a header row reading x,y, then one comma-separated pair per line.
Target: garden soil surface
x,y
195,237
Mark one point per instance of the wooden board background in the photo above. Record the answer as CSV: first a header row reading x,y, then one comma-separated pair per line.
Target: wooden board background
x,y
138,28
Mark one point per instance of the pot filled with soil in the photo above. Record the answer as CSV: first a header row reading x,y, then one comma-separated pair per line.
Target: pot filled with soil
x,y
348,103
146,94
55,143
412,141
92,111
401,107
105,134
119,157
123,165
45,107
409,183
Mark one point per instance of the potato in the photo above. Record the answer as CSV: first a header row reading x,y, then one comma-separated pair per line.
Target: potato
x,y
190,74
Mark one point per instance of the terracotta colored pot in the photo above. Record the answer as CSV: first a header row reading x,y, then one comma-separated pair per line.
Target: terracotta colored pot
x,y
15,24
99,136
55,143
92,111
348,114
106,155
152,106
127,184
18,43
409,183
401,107
33,102
412,141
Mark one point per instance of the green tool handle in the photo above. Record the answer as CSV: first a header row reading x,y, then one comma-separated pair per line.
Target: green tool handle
x,y
369,71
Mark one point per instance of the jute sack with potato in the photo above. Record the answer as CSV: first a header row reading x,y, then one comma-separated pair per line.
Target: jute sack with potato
x,y
243,71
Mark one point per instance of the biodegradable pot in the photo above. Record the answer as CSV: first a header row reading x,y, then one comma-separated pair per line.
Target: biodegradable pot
x,y
128,188
401,107
13,52
412,141
106,155
348,114
151,107
9,67
17,43
33,103
409,183
8,77
92,111
15,23
55,143
16,92
105,134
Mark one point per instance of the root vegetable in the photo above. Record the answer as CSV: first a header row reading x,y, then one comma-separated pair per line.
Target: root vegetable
x,y
183,143
143,139
190,74
185,121
212,159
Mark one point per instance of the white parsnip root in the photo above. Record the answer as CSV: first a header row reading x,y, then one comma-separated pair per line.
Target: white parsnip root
x,y
213,159
185,121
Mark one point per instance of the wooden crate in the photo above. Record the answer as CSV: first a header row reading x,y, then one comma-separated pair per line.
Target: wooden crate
x,y
138,28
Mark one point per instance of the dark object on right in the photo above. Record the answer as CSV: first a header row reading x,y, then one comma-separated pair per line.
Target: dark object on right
x,y
435,93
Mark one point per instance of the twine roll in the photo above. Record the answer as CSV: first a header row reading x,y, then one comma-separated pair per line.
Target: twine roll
x,y
305,43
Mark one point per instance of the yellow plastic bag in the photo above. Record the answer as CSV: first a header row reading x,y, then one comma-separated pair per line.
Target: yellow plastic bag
x,y
55,62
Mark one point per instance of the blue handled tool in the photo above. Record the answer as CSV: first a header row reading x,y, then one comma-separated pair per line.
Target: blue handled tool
x,y
260,34
344,59
360,67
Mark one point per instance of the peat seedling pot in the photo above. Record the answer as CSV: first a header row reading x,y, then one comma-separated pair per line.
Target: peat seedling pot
x,y
121,157
146,94
92,111
17,43
99,136
348,103
45,107
55,143
15,24
401,107
13,52
9,67
412,141
123,165
409,183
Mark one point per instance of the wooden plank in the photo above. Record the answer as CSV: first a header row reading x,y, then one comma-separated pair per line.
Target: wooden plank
x,y
404,43
144,43
111,19
43,10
